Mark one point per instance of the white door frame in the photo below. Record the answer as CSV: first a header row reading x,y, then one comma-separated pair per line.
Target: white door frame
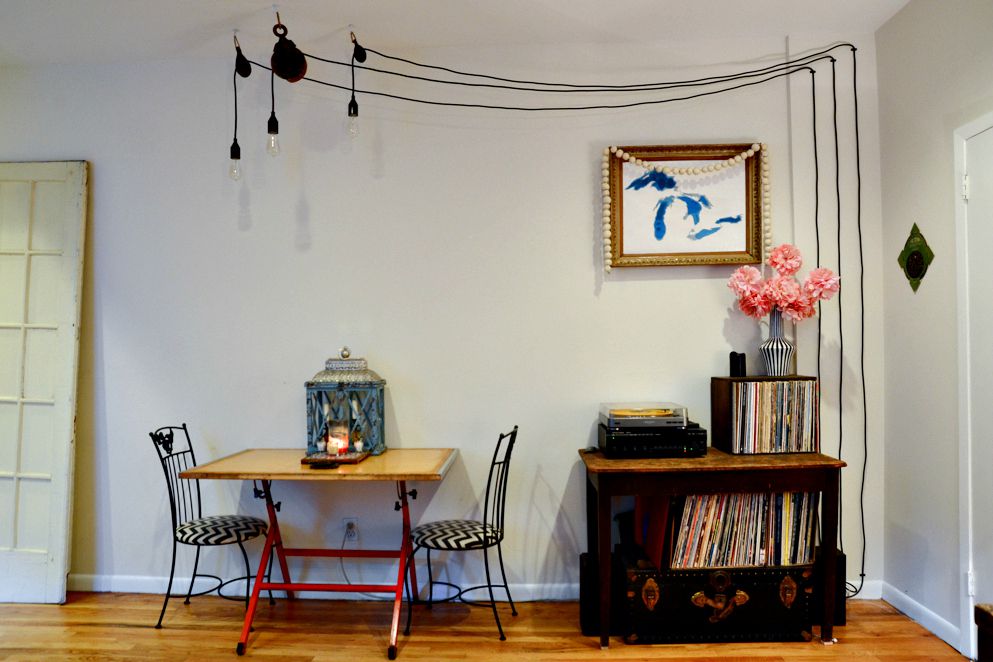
x,y
967,634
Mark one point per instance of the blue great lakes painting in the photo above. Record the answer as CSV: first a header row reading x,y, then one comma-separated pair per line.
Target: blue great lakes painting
x,y
696,209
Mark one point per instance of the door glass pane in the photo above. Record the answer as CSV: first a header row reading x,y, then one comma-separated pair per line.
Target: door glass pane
x,y
37,439
40,359
15,208
9,437
49,203
43,298
33,513
11,289
6,523
10,363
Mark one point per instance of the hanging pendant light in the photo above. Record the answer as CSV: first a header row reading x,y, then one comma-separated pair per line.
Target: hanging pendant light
x,y
272,143
359,54
242,68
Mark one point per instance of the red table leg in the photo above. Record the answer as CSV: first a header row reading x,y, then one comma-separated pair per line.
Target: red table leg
x,y
274,545
273,541
278,537
391,651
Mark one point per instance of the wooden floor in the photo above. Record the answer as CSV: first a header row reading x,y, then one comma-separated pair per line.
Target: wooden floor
x,y
116,626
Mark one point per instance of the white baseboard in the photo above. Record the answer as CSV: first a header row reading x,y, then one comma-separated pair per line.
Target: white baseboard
x,y
941,628
141,584
871,590
133,584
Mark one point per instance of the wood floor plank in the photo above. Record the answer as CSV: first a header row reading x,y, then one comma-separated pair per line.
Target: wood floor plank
x,y
114,627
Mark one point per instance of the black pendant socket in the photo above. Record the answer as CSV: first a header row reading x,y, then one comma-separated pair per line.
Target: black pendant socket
x,y
353,108
273,124
235,150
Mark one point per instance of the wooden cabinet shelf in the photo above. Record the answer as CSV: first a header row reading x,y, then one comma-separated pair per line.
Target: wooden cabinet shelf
x,y
716,473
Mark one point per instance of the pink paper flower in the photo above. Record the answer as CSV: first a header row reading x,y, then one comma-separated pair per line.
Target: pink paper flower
x,y
822,284
783,291
801,309
754,305
785,259
757,297
745,280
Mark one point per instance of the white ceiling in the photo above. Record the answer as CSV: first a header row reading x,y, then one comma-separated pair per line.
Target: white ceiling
x,y
35,32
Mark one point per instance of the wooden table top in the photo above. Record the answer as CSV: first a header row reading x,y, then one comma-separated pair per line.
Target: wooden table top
x,y
715,460
284,464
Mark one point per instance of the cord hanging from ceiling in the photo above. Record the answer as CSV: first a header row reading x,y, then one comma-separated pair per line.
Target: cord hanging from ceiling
x,y
290,63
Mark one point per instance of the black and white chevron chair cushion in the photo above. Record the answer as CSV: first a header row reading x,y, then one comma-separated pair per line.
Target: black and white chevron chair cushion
x,y
455,534
220,530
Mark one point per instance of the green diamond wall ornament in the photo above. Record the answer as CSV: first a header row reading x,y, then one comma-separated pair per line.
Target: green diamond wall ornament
x,y
915,257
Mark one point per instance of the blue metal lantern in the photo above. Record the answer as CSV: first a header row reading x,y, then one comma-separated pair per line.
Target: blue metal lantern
x,y
345,402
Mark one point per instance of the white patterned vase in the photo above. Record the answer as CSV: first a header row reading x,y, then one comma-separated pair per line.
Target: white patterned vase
x,y
777,351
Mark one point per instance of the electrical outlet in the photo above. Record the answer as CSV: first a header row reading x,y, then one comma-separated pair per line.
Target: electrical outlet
x,y
351,528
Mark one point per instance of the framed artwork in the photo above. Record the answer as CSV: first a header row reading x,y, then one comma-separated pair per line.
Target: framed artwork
x,y
670,205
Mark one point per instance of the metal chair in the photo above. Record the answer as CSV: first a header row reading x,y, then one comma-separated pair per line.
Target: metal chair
x,y
462,535
189,525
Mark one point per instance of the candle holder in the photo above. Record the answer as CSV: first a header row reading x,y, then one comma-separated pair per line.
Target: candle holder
x,y
345,404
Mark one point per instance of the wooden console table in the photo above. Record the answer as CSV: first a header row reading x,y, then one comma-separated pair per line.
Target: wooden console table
x,y
716,473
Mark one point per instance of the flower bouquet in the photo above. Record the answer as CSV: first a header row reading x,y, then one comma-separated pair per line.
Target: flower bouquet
x,y
781,295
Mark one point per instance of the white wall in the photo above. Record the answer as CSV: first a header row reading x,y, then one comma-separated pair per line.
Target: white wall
x,y
457,250
934,75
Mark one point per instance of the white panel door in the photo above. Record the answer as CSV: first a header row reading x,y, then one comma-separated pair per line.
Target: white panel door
x,y
979,221
42,221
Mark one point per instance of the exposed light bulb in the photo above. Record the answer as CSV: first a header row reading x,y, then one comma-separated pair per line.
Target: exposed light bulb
x,y
234,170
353,117
272,146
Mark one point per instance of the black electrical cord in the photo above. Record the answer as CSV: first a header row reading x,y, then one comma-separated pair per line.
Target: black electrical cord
x,y
817,219
586,87
768,74
841,353
234,82
552,108
634,87
858,222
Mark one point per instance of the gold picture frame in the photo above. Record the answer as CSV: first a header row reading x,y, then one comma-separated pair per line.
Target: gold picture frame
x,y
676,205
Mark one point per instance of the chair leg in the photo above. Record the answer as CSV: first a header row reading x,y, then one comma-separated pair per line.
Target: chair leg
x,y
248,574
193,578
506,585
172,572
489,587
430,581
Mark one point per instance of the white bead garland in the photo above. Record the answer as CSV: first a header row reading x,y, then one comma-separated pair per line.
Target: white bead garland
x,y
756,148
766,203
607,254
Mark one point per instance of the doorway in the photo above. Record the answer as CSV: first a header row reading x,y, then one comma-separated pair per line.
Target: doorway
x,y
974,229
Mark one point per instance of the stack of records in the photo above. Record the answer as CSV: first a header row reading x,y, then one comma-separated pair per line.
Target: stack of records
x,y
654,429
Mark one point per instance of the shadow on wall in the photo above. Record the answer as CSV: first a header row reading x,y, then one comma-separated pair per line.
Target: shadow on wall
x,y
551,542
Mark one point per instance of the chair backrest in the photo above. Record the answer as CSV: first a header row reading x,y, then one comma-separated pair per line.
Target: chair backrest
x,y
176,455
496,484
